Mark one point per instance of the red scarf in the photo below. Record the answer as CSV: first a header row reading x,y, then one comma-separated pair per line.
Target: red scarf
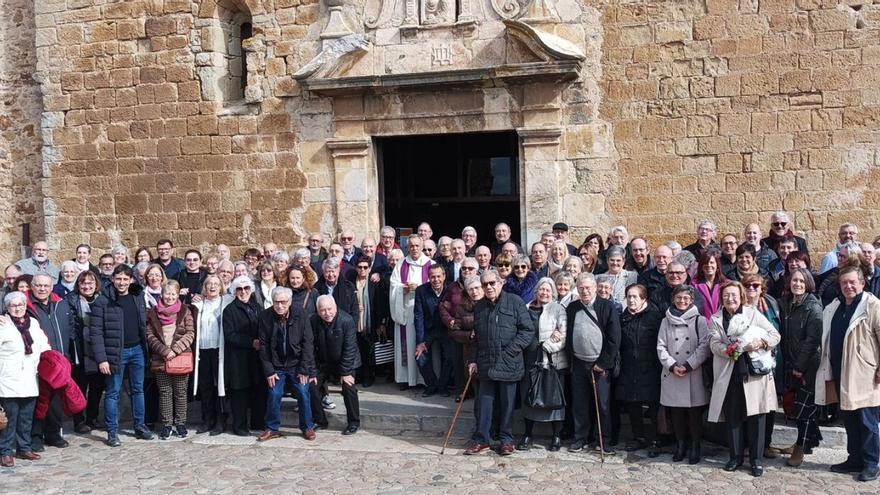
x,y
167,314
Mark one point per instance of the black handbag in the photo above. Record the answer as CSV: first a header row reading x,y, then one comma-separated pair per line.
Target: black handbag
x,y
755,368
545,389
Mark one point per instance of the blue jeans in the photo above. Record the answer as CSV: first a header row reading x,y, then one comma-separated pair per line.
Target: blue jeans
x,y
273,402
133,359
20,413
862,439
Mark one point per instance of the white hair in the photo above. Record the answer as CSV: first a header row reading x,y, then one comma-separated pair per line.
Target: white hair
x,y
325,298
302,253
120,249
331,263
13,297
281,256
69,264
281,291
468,229
241,282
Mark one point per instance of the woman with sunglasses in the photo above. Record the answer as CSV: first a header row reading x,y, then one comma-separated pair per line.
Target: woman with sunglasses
x,y
245,385
503,265
266,281
801,328
523,281
757,297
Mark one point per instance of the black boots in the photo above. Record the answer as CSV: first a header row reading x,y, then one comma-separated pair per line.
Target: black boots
x,y
696,453
680,451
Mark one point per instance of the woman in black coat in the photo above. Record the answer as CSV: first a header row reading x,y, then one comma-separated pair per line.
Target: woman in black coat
x,y
801,328
85,292
245,386
638,384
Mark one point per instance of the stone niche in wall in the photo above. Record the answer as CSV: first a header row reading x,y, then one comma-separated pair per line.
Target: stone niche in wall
x,y
426,43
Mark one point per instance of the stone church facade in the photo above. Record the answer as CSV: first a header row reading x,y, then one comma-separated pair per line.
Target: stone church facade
x,y
239,121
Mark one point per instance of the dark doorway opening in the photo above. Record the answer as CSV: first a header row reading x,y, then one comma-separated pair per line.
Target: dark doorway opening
x,y
451,181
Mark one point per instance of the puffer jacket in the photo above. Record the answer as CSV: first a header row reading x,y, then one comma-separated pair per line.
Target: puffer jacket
x,y
639,379
801,329
106,331
181,340
502,331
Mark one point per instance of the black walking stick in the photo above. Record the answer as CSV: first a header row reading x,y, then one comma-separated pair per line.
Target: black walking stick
x,y
457,411
598,416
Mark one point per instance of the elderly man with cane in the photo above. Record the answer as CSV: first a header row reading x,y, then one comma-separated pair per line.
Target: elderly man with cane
x,y
503,328
593,334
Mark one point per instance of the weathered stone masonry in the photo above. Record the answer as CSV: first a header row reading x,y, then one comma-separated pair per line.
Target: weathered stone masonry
x,y
161,118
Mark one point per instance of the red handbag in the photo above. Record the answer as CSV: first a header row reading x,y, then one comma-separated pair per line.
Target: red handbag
x,y
181,364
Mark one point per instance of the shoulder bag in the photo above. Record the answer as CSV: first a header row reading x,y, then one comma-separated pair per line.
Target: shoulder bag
x,y
545,389
181,364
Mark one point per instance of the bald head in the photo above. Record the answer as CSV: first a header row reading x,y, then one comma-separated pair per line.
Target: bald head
x,y
326,307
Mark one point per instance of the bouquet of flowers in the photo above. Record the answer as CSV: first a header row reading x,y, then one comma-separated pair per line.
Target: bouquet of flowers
x,y
741,333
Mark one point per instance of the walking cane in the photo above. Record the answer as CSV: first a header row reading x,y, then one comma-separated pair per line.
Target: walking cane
x,y
598,417
457,410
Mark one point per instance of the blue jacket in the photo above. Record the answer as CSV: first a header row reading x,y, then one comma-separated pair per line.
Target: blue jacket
x,y
426,314
174,267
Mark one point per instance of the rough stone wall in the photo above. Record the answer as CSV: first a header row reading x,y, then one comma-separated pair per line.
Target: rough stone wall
x,y
732,109
20,108
134,151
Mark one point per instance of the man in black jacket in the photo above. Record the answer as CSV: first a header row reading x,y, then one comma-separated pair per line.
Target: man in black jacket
x,y
503,329
593,346
54,318
117,334
653,278
340,288
675,275
336,357
431,333
287,352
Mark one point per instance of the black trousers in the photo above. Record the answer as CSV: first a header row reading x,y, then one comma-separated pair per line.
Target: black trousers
x,y
687,421
349,398
637,419
441,348
584,404
366,373
239,403
49,429
92,387
259,393
209,369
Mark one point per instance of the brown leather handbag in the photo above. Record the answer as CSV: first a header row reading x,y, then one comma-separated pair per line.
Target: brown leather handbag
x,y
181,364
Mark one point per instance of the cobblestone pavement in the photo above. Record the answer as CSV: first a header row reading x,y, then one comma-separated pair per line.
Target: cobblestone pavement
x,y
401,463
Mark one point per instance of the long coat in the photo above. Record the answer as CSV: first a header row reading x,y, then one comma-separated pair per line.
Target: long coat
x,y
181,340
225,300
760,391
801,329
683,340
553,318
639,379
861,356
241,362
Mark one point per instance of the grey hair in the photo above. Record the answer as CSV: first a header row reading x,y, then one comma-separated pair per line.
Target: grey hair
x,y
562,274
324,297
444,238
521,259
618,228
471,261
13,297
241,281
388,228
780,215
281,291
331,263
673,245
615,251
242,263
549,281
396,252
220,265
708,223
468,229
120,249
602,278
281,255
302,253
583,277
574,259
850,246
68,264
471,281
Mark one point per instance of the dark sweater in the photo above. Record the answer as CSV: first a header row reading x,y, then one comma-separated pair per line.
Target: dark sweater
x,y
130,321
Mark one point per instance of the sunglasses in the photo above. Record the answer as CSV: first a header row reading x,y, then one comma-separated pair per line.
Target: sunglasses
x,y
363,267
468,268
753,286
779,224
503,265
521,267
490,284
242,289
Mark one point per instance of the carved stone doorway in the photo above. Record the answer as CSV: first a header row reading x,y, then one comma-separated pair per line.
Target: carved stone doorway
x,y
450,181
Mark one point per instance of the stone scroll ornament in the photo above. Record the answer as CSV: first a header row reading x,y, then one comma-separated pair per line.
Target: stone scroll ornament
x,y
509,9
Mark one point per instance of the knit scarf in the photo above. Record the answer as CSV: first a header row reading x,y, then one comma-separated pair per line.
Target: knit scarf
x,y
752,271
167,314
23,325
153,296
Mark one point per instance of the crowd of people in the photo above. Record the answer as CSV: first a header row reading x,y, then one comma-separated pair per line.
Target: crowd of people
x,y
725,329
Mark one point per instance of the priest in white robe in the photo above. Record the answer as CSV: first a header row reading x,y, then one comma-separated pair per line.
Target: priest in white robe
x,y
406,277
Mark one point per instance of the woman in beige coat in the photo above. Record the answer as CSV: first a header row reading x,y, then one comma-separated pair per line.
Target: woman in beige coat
x,y
739,398
683,350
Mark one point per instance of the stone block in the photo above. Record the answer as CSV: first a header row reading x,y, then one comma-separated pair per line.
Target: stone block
x,y
702,125
832,20
160,26
666,32
733,124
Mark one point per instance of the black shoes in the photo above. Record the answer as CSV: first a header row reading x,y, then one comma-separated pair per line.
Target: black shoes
x,y
165,433
58,443
429,392
636,444
680,451
576,446
654,450
205,427
350,430
869,474
555,445
182,432
847,467
733,465
82,428
757,471
143,433
525,443
112,440
696,453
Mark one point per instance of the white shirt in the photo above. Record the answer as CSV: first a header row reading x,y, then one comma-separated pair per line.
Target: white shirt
x,y
209,324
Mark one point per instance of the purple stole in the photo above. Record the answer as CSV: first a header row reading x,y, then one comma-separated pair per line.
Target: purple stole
x,y
404,277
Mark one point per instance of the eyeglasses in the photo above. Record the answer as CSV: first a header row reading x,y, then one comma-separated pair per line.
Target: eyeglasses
x,y
468,268
753,286
267,269
363,267
242,289
490,284
502,265
346,238
521,267
779,224
675,273
193,260
281,303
